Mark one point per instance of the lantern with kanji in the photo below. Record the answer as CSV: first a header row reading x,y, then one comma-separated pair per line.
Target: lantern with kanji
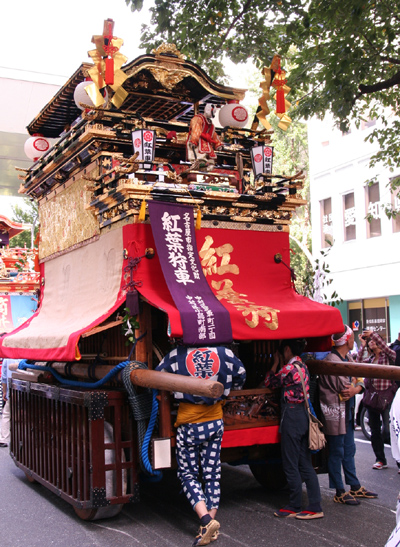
x,y
36,146
233,114
261,159
144,143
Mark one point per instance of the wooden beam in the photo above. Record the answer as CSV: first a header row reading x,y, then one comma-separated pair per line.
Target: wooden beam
x,y
176,382
342,368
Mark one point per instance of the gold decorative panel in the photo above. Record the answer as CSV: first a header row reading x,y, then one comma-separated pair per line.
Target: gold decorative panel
x,y
64,220
168,78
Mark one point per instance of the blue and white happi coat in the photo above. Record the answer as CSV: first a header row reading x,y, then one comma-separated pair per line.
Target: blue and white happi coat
x,y
209,363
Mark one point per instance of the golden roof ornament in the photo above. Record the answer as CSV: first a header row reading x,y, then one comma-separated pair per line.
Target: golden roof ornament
x,y
275,76
167,73
168,49
106,71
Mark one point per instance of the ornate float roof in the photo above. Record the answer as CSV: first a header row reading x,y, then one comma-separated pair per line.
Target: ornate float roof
x,y
12,228
160,86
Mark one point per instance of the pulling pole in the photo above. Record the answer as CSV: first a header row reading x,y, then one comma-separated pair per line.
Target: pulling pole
x,y
162,381
364,370
175,382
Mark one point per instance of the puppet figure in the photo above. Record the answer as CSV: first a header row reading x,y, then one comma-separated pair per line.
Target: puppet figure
x,y
203,139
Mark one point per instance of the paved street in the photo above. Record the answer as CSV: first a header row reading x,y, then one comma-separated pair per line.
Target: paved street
x,y
33,517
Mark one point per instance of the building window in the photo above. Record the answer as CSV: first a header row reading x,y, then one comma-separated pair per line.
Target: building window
x,y
371,314
396,206
373,211
349,217
326,223
365,124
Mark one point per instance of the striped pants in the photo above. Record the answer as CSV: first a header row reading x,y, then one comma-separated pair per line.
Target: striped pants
x,y
199,444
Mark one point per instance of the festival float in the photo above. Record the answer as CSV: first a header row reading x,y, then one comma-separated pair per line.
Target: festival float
x,y
19,281
158,226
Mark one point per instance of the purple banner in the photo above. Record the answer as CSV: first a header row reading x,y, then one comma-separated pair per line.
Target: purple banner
x,y
204,319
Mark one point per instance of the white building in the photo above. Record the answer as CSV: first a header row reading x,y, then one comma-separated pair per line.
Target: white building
x,y
364,259
21,101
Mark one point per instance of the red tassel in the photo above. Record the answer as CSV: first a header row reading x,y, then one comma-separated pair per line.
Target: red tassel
x,y
109,75
280,101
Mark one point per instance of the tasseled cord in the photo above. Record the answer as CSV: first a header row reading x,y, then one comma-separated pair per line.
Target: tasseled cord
x,y
280,101
198,219
142,212
109,74
279,83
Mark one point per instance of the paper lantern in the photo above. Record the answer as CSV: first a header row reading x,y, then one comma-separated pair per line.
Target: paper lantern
x,y
36,146
261,158
81,96
144,143
233,114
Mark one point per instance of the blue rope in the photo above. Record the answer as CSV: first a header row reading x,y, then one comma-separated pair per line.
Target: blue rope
x,y
24,365
156,474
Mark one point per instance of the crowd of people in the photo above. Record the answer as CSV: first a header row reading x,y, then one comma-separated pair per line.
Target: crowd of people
x,y
200,423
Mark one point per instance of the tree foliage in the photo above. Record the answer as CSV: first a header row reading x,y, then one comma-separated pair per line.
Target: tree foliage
x,y
344,54
291,156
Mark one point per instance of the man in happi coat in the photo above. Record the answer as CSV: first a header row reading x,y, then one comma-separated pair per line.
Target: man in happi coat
x,y
200,428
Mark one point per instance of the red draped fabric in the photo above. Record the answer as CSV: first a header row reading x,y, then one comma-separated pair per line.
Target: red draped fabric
x,y
240,268
251,436
85,286
82,288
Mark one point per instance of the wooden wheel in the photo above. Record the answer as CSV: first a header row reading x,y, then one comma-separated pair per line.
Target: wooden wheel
x,y
99,513
270,476
29,477
108,511
86,514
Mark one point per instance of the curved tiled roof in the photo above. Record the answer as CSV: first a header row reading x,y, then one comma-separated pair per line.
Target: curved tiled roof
x,y
159,86
11,227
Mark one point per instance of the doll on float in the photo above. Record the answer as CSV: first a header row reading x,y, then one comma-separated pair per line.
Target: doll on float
x,y
203,140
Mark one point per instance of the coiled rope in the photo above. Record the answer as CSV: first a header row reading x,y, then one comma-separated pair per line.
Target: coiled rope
x,y
144,406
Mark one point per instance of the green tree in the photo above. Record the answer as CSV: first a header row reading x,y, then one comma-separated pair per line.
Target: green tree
x,y
210,31
29,215
291,156
344,54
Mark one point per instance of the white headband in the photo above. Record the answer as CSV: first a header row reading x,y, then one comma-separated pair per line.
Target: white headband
x,y
344,338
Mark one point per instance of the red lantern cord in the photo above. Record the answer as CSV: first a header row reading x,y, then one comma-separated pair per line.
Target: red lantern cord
x,y
279,82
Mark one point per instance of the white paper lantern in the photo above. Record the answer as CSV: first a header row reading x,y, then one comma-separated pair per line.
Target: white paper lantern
x,y
81,96
36,146
262,157
144,143
233,114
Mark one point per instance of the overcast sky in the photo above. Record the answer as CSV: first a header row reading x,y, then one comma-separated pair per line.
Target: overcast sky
x,y
48,39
